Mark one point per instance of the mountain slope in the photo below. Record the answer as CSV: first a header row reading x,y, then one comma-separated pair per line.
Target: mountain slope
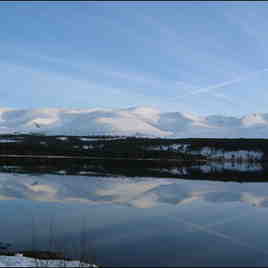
x,y
131,121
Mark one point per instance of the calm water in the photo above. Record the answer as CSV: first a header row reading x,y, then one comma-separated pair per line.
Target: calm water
x,y
138,221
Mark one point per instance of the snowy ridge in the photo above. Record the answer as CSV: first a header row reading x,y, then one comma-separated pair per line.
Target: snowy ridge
x,y
146,121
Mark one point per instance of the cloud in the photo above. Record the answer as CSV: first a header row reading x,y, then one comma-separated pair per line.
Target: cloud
x,y
224,98
216,86
89,70
221,85
35,88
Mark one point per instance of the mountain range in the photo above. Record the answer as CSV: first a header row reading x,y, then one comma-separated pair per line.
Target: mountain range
x,y
143,120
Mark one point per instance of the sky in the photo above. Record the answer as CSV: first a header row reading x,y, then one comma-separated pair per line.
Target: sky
x,y
199,57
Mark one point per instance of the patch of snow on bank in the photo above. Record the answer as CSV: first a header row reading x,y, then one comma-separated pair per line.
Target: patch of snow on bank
x,y
89,139
7,141
173,147
86,147
228,155
43,143
21,261
62,138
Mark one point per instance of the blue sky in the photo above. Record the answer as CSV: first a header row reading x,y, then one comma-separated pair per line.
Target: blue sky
x,y
199,57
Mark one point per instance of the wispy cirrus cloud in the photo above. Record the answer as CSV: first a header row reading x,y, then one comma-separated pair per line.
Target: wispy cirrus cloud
x,y
87,68
52,89
224,84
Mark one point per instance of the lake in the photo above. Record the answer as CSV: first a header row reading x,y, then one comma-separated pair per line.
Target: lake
x,y
137,221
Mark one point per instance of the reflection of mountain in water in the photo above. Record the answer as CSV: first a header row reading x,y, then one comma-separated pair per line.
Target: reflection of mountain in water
x,y
138,192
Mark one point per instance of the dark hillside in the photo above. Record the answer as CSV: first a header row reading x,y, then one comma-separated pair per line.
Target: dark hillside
x,y
131,147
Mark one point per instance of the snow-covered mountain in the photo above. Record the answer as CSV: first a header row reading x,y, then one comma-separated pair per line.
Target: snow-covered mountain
x,y
131,121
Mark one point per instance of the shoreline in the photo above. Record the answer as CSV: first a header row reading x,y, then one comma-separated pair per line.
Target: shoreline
x,y
40,259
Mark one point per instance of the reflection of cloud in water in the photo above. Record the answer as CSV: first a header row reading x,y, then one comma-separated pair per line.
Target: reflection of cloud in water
x,y
145,201
42,191
3,197
179,194
137,192
172,193
254,200
74,188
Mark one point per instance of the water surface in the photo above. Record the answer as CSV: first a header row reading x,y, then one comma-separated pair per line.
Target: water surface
x,y
138,221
